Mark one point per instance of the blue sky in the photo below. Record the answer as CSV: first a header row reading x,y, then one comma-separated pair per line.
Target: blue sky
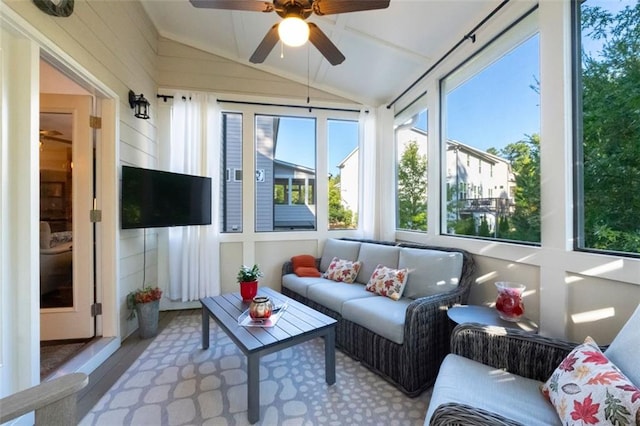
x,y
494,108
497,107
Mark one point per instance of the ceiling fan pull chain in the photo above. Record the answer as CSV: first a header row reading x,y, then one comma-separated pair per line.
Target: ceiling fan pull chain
x,y
281,50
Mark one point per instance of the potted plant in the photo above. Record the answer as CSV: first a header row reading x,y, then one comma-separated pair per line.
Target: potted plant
x,y
248,280
145,304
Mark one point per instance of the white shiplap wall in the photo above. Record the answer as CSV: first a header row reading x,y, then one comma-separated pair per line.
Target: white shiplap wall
x,y
115,42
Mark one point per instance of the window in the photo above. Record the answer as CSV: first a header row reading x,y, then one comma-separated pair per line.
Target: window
x,y
286,158
231,191
607,130
411,173
491,113
344,173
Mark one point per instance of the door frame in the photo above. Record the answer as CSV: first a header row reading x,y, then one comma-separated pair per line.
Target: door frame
x,y
20,360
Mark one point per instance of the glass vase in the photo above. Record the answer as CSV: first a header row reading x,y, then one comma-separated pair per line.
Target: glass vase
x,y
260,307
509,301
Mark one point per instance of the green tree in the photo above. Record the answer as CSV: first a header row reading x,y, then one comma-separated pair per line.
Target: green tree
x,y
412,189
524,157
339,216
484,230
611,129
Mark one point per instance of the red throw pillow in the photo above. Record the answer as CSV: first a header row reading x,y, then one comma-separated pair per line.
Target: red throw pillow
x,y
304,260
307,271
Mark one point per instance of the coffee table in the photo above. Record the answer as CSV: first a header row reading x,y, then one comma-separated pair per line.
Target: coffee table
x,y
297,324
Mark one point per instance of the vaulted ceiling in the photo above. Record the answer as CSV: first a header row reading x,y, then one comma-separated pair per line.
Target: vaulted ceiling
x,y
385,50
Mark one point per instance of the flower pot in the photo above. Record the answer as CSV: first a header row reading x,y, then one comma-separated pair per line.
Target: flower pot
x,y
147,314
248,290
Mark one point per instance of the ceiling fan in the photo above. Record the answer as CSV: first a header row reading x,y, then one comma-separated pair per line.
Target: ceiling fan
x,y
294,14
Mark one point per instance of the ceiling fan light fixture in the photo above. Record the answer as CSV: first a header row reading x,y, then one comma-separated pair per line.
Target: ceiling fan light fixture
x,y
293,31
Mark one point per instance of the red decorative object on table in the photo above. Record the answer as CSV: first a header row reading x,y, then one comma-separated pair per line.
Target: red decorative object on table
x,y
509,301
260,307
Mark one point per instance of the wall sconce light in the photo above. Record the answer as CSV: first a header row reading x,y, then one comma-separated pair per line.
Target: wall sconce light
x,y
139,104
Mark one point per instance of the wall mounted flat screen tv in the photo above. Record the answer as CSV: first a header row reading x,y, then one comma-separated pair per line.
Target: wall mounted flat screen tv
x,y
154,199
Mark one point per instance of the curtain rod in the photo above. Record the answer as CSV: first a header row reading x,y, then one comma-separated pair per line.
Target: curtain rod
x,y
469,36
165,97
290,106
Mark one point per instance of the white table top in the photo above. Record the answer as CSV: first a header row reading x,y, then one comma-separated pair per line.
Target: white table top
x,y
488,316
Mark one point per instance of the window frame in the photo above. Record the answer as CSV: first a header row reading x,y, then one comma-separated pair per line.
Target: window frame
x,y
515,34
578,140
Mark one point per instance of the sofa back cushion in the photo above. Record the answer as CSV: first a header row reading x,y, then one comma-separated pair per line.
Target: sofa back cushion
x,y
372,255
430,271
623,351
347,250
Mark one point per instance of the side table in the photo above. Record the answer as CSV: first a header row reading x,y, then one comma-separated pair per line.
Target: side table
x,y
488,316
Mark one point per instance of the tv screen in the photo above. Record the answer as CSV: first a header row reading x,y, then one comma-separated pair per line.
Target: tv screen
x,y
153,199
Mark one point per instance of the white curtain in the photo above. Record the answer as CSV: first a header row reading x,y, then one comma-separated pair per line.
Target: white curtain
x,y
367,133
194,251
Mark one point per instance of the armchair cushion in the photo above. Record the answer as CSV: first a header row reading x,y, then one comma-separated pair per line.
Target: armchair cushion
x,y
513,397
587,387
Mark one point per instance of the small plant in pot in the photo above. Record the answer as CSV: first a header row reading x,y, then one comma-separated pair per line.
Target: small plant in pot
x,y
248,280
144,303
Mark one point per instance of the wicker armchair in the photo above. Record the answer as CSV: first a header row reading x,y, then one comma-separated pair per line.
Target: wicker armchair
x,y
515,353
518,352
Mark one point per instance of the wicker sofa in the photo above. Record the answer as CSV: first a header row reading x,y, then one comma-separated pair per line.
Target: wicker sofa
x,y
501,372
410,357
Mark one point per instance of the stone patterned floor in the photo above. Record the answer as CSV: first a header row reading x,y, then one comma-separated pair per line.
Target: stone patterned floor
x,y
175,382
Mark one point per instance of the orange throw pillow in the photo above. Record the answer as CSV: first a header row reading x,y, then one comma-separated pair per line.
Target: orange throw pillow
x,y
307,271
304,265
303,260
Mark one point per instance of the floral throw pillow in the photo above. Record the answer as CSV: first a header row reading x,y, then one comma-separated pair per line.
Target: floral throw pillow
x,y
388,282
588,389
342,270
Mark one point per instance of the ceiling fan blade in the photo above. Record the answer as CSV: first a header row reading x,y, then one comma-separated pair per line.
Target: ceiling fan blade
x,y
250,5
266,46
330,7
324,45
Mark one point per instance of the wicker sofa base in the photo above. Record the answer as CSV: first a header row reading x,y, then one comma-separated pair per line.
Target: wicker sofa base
x,y
410,371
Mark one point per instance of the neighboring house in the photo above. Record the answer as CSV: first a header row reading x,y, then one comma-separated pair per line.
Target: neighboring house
x,y
231,195
481,185
349,169
293,196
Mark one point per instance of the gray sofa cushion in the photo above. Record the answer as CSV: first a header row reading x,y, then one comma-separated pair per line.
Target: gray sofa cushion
x,y
379,314
430,271
300,284
372,255
468,382
338,248
623,351
332,295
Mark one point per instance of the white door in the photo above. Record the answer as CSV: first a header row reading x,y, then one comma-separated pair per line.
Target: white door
x,y
65,225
